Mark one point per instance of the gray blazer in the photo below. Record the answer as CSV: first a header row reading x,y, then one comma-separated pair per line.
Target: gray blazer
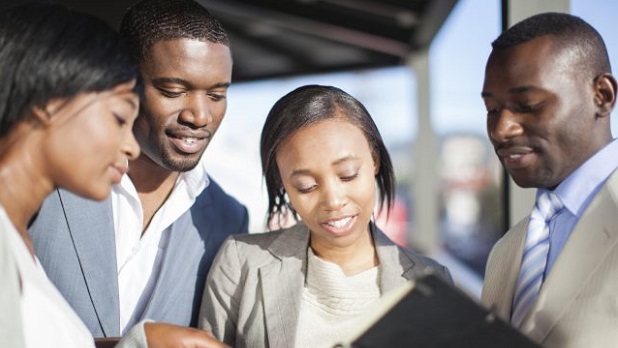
x,y
253,291
74,240
577,305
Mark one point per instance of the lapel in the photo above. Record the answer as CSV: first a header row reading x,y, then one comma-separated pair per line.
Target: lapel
x,y
395,266
592,239
282,282
91,228
504,277
186,243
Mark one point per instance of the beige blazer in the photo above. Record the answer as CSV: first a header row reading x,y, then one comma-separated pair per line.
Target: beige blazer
x,y
577,305
253,291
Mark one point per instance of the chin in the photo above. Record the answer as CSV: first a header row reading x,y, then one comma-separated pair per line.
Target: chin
x,y
96,194
182,163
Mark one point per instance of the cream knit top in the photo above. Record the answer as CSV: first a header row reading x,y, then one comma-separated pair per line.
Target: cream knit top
x,y
332,304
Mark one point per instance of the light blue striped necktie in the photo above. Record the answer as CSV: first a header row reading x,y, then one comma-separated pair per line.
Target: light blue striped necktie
x,y
534,259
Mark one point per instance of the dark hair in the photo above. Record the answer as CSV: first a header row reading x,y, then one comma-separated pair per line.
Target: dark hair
x,y
151,21
303,107
49,51
567,31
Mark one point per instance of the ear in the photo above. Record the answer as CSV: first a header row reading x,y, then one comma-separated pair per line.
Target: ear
x,y
45,114
376,163
604,94
42,115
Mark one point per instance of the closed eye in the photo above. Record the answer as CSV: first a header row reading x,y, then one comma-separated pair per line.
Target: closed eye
x,y
306,189
170,94
217,97
349,177
525,109
121,120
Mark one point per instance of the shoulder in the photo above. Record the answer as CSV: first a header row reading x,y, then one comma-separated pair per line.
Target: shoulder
x,y
256,248
420,260
62,206
255,240
220,208
410,262
295,237
424,264
216,193
251,247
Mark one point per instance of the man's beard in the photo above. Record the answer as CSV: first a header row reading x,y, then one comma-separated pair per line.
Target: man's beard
x,y
183,164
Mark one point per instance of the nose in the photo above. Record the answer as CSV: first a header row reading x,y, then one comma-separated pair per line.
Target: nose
x,y
504,125
197,111
334,196
130,146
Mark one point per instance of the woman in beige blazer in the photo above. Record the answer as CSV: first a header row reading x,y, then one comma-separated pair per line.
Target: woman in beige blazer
x,y
309,285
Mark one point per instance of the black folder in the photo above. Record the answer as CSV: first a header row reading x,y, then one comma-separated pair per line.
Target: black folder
x,y
430,313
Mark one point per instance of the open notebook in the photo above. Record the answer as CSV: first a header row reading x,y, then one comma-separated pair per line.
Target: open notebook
x,y
429,313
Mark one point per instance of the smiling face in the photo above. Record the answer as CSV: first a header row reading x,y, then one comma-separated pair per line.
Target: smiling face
x,y
328,172
186,84
90,140
541,113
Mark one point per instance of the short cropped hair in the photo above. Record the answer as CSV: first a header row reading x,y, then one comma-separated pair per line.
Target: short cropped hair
x,y
568,31
49,51
301,108
151,21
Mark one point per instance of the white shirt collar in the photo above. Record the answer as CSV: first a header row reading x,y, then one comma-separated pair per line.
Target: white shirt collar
x,y
139,256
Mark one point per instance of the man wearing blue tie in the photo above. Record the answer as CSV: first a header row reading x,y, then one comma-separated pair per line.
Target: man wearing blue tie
x,y
549,93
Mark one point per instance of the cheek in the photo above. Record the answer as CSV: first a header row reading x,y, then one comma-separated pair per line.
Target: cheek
x,y
367,192
147,127
156,109
302,203
218,112
105,141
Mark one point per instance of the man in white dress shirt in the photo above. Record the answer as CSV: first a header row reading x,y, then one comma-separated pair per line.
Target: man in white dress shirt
x,y
145,252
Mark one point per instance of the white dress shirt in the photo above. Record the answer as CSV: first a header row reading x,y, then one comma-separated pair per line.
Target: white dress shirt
x,y
139,256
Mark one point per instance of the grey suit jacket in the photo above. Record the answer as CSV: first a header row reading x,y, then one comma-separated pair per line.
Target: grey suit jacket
x,y
74,240
253,292
577,305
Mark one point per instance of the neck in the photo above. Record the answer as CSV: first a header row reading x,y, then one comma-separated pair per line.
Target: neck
x,y
353,259
149,177
153,184
23,182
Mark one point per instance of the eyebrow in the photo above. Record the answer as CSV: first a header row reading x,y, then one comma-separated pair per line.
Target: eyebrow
x,y
176,80
131,101
301,172
514,90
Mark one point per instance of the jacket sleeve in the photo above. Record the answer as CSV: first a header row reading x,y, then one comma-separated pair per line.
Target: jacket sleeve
x,y
222,294
135,338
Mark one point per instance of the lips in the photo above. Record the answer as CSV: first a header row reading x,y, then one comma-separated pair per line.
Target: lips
x,y
516,157
340,225
189,142
118,172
